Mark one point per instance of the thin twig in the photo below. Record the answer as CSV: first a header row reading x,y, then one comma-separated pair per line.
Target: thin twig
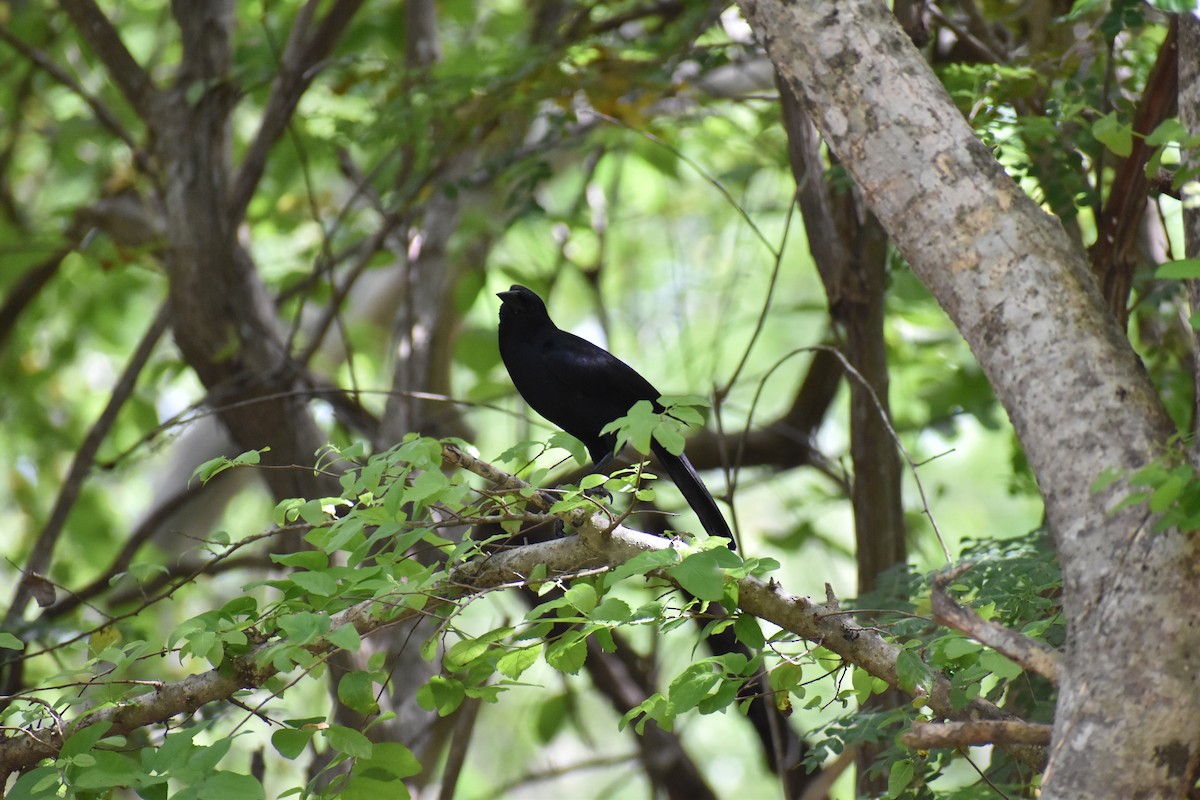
x,y
883,416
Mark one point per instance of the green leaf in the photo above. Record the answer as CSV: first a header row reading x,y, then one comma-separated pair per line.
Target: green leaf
x,y
175,751
1113,134
550,717
911,671
679,402
1132,499
342,533
863,683
291,742
84,739
670,438
348,741
1175,7
321,584
314,512
215,466
1154,163
565,441
592,481
582,597
356,690
655,707
1169,130
701,575
1182,269
958,646
110,770
748,631
206,758
395,758
463,652
429,648
426,485
381,775
303,626
692,685
10,642
287,511
38,783
442,694
345,637
567,653
222,785
640,565
613,610
636,427
1168,492
1000,666
899,777
1105,479
513,663
785,677
313,560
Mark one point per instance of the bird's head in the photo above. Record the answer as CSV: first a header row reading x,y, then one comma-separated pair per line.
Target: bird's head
x,y
520,302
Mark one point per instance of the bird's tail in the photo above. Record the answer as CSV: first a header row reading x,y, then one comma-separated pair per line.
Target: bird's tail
x,y
684,476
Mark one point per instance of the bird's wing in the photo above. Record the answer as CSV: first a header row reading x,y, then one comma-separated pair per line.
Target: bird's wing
x,y
587,370
577,386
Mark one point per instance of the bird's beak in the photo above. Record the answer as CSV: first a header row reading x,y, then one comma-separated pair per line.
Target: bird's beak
x,y
508,295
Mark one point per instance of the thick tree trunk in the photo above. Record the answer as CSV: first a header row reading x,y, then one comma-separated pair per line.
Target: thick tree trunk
x,y
1128,718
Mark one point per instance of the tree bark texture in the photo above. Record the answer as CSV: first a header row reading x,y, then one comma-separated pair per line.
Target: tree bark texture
x,y
1128,717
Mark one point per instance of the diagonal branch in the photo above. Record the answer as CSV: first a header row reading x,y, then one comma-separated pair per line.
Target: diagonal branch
x,y
299,67
1031,654
102,37
103,114
25,289
43,548
1113,255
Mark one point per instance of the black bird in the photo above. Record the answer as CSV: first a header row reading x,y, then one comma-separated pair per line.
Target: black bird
x,y
581,388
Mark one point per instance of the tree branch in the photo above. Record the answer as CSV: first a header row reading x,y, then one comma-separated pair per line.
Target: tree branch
x,y
25,289
96,29
43,548
297,69
1031,654
1113,255
145,531
103,115
597,546
822,624
927,735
